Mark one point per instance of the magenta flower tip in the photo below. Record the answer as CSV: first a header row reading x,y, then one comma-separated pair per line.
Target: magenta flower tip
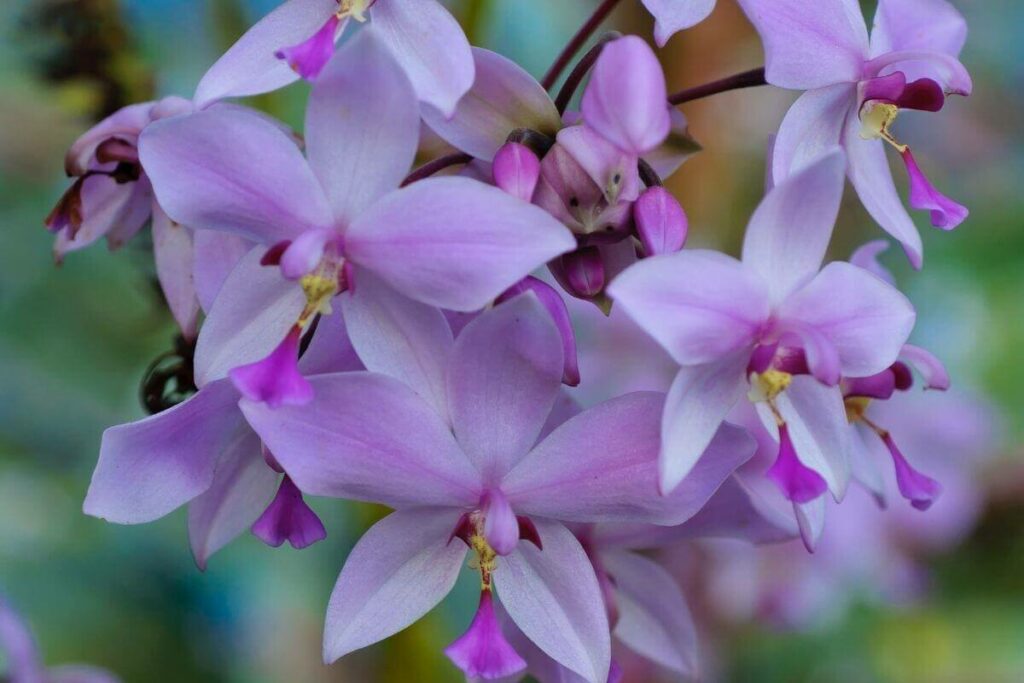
x,y
310,57
920,489
946,214
482,651
288,518
276,379
797,482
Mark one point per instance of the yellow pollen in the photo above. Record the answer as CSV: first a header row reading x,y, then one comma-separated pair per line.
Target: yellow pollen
x,y
353,8
856,406
319,290
772,383
486,559
875,119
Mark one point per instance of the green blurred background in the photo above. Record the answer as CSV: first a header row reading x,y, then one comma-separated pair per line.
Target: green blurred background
x,y
75,340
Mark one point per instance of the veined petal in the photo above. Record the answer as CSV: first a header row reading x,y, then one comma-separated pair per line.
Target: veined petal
x,y
602,465
654,620
932,25
215,255
230,169
397,572
810,45
626,99
401,338
362,125
812,127
554,598
864,318
503,378
250,66
671,16
503,98
871,176
429,44
242,487
453,242
149,468
790,231
700,305
367,437
253,312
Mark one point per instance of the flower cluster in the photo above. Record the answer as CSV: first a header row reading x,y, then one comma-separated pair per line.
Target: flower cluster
x,y
406,337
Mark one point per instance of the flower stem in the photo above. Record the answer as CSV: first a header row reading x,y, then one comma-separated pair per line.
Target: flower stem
x,y
576,76
747,79
577,41
431,167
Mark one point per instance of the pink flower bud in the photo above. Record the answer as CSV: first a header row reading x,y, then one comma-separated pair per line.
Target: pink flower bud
x,y
584,273
516,170
660,222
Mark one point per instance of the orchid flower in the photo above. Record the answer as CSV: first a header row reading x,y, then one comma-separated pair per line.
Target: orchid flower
x,y
297,40
446,432
24,662
584,174
451,242
856,87
773,325
646,608
111,197
202,452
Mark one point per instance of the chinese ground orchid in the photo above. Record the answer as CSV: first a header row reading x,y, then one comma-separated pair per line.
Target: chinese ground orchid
x,y
111,197
773,324
855,89
445,430
24,662
202,452
297,40
452,242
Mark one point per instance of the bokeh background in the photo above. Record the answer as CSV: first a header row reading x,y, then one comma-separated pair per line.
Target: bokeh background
x,y
75,340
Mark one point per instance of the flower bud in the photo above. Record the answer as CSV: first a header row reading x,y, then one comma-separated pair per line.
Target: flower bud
x,y
516,170
661,223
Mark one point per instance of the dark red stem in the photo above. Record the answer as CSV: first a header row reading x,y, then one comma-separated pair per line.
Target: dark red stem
x,y
747,79
577,42
431,167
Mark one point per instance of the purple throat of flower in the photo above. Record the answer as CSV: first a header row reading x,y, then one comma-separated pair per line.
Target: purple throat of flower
x,y
483,651
309,57
882,99
276,379
858,393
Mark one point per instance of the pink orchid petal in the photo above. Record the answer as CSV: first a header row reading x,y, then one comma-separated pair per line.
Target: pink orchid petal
x,y
554,598
289,518
276,379
368,437
231,169
309,57
866,257
503,378
660,222
810,46
626,99
927,365
397,572
516,170
242,487
920,489
401,338
559,312
790,231
453,242
797,482
149,468
671,16
173,251
483,651
654,620
503,98
429,44
700,305
362,126
933,25
250,66
945,213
